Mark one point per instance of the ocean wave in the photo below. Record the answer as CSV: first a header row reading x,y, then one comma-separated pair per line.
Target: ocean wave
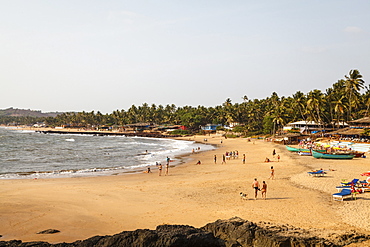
x,y
39,155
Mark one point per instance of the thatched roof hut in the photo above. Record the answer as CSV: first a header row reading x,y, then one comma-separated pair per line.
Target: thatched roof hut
x,y
361,123
290,138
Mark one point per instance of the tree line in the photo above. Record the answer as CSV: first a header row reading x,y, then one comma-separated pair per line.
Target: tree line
x,y
346,100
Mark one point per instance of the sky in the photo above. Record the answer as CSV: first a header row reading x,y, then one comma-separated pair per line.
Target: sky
x,y
86,55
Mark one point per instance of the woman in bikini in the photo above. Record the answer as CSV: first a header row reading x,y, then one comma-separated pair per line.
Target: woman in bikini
x,y
264,190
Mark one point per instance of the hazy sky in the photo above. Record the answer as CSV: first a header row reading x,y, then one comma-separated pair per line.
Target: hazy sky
x,y
64,55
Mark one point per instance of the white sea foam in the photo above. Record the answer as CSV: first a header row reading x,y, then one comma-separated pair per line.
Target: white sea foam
x,y
43,156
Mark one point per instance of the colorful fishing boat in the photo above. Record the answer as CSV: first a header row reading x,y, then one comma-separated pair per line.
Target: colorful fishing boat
x,y
292,149
358,154
304,153
319,155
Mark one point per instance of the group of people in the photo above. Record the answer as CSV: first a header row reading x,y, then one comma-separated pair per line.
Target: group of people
x,y
273,155
232,154
228,155
256,187
160,167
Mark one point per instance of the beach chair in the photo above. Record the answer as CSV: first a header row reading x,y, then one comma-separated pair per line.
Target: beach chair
x,y
340,188
354,182
318,173
345,193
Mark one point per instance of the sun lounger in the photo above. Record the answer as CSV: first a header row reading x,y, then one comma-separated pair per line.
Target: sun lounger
x,y
340,188
354,181
317,173
365,189
345,193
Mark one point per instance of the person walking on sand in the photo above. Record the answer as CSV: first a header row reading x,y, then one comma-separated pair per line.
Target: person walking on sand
x,y
243,158
273,153
160,169
272,173
223,159
264,190
215,159
255,186
278,158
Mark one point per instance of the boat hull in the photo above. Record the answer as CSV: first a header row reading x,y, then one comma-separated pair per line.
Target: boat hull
x,y
319,155
292,149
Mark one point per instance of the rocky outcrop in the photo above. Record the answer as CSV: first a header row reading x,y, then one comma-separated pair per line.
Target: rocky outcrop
x,y
234,232
49,231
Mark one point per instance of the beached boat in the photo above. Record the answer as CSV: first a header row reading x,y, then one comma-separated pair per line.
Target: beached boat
x,y
304,153
319,155
292,149
357,154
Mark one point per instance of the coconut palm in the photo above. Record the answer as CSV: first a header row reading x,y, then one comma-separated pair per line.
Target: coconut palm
x,y
315,103
353,84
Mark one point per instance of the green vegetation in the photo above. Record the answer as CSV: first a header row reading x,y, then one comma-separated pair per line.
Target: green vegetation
x,y
181,132
341,103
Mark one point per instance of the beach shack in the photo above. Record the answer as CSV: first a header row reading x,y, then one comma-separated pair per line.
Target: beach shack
x,y
169,128
362,123
311,127
357,131
140,127
303,127
210,127
289,138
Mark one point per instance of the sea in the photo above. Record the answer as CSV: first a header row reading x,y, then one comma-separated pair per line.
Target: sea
x,y
30,155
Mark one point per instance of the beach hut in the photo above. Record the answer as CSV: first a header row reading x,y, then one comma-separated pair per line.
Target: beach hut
x,y
362,123
210,127
289,138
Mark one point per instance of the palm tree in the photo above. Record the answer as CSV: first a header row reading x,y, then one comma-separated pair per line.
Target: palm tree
x,y
299,102
315,104
353,84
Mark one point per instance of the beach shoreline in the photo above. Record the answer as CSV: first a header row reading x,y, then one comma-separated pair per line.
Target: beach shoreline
x,y
140,158
192,194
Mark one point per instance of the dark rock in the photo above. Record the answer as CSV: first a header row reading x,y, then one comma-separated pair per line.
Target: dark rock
x,y
49,231
234,232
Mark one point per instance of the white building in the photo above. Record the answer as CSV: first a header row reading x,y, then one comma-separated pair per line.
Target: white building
x,y
309,126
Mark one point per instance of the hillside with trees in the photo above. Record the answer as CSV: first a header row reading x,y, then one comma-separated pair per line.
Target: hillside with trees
x,y
346,100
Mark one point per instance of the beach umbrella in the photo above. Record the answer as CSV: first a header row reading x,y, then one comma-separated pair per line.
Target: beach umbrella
x,y
367,174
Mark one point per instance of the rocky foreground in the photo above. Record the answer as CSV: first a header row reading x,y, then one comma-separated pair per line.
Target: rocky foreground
x,y
226,233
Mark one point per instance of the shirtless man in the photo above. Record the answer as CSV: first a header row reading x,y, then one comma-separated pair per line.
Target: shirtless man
x,y
255,186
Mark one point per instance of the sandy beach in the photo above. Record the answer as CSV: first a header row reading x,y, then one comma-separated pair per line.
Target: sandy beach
x,y
191,194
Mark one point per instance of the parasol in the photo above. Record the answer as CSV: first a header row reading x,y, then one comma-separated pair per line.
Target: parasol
x,y
367,174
